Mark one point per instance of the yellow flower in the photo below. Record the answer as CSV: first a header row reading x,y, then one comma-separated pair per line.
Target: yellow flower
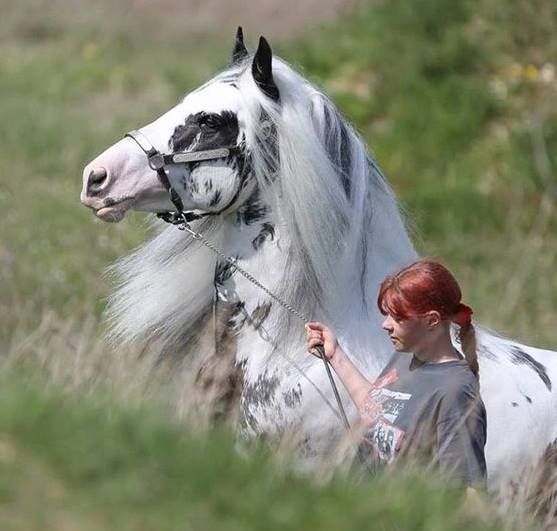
x,y
531,72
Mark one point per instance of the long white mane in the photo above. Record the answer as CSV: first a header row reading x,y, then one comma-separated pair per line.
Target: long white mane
x,y
329,196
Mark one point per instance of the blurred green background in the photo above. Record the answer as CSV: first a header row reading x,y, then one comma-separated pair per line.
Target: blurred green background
x,y
456,100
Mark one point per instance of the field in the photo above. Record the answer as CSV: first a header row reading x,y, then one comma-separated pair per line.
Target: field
x,y
455,100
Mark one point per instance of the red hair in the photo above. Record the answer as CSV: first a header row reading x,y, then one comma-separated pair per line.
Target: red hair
x,y
424,286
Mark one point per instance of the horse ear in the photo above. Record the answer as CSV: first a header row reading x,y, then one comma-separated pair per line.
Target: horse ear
x,y
239,52
262,70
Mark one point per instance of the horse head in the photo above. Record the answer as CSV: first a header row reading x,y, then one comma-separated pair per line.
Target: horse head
x,y
208,120
260,150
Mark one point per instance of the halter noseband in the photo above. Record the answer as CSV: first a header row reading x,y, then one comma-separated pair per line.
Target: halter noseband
x,y
159,161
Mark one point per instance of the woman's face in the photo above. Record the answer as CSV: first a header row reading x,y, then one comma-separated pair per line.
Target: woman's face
x,y
406,334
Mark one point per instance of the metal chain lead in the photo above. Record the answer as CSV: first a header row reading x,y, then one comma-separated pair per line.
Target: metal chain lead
x,y
198,236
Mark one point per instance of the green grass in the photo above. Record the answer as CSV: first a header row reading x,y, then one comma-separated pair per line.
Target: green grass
x,y
92,464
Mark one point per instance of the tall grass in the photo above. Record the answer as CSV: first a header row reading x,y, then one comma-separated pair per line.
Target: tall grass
x,y
95,465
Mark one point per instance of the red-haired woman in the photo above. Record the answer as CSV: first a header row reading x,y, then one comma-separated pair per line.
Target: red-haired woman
x,y
426,401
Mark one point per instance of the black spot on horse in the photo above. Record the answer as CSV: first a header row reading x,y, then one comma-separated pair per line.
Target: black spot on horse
x,y
293,397
216,198
206,131
252,210
514,404
519,357
241,162
528,399
268,146
185,135
260,313
337,141
223,272
260,392
484,352
267,231
238,316
237,308
208,185
191,184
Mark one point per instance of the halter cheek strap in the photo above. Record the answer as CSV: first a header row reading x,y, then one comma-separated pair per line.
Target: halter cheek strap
x,y
159,161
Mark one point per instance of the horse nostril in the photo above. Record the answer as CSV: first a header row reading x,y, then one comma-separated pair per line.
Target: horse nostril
x,y
96,179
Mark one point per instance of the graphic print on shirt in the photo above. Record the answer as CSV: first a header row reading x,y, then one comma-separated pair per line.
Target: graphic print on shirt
x,y
382,408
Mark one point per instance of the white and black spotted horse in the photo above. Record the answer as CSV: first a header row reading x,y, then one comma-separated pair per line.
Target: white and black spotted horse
x,y
301,205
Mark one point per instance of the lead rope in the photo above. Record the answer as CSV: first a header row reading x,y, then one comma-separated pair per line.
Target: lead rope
x,y
185,226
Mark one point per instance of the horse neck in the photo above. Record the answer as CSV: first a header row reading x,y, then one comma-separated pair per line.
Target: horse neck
x,y
253,239
257,321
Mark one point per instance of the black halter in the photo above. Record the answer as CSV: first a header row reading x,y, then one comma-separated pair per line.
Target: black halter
x,y
159,161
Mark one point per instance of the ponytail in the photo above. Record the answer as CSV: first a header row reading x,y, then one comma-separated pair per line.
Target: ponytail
x,y
467,336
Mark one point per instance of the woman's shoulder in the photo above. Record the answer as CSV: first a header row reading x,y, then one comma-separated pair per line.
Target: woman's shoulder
x,y
455,373
461,391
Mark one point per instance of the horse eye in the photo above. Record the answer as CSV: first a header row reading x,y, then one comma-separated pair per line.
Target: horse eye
x,y
210,121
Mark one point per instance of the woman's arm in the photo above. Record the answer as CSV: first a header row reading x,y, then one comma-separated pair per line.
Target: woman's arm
x,y
357,385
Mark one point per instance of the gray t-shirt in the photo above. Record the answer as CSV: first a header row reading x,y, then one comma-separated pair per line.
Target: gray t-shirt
x,y
430,411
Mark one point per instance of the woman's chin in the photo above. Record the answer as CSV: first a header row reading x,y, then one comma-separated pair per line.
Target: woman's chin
x,y
397,345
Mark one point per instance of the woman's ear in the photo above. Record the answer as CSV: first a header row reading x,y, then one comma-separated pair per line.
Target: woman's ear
x,y
433,318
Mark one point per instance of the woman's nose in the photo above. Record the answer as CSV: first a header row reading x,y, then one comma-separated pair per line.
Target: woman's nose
x,y
387,325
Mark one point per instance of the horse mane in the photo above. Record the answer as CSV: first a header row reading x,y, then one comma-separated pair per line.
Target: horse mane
x,y
332,200
339,216
164,287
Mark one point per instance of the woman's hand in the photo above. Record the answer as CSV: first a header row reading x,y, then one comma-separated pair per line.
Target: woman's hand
x,y
318,334
355,382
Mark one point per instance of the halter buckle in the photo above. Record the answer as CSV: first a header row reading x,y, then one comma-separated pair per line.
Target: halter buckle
x,y
156,161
